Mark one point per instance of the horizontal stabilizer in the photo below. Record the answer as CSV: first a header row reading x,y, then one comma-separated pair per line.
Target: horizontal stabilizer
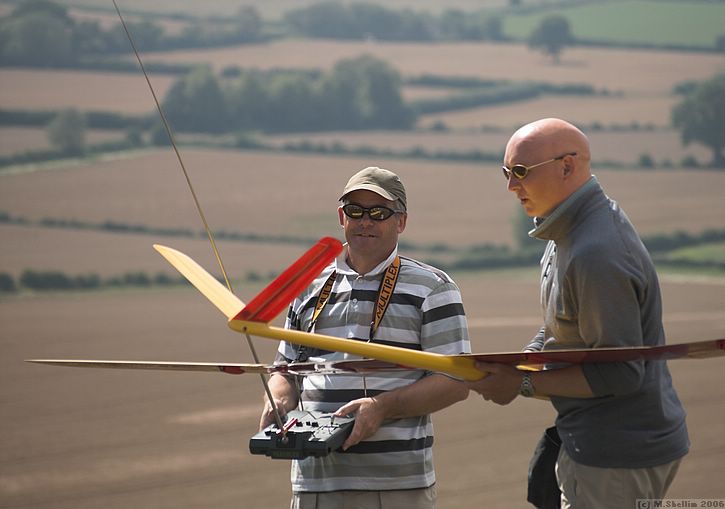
x,y
298,276
212,289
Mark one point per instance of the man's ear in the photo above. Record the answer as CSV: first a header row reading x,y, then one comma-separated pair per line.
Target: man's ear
x,y
568,167
402,221
341,216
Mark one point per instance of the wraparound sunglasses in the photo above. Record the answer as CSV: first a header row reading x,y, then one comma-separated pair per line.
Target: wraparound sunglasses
x,y
520,171
377,213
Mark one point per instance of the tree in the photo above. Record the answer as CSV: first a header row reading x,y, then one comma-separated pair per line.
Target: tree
x,y
34,6
325,19
89,38
493,28
720,43
364,93
36,39
249,23
7,283
292,104
248,101
67,132
551,36
195,103
700,117
146,36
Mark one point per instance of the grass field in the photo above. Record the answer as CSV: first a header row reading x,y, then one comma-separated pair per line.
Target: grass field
x,y
711,252
694,24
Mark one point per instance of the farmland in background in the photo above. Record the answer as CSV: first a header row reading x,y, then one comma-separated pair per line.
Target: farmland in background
x,y
649,22
639,88
653,72
87,438
14,139
653,22
450,204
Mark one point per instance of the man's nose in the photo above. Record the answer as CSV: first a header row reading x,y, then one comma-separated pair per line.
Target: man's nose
x,y
513,183
366,219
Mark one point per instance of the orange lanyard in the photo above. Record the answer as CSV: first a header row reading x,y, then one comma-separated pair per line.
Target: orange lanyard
x,y
385,292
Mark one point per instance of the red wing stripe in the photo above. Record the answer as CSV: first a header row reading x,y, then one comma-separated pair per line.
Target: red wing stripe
x,y
280,292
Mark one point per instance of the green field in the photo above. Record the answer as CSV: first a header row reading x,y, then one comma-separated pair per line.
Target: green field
x,y
714,252
654,22
651,22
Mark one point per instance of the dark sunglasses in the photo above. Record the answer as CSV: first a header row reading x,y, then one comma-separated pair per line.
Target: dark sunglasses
x,y
377,213
520,171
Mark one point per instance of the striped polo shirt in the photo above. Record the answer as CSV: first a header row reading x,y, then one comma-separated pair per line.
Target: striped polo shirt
x,y
425,313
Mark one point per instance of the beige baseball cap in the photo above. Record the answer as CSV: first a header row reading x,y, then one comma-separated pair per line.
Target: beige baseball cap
x,y
380,181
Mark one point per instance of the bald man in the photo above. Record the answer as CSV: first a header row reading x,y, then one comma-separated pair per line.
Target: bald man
x,y
621,424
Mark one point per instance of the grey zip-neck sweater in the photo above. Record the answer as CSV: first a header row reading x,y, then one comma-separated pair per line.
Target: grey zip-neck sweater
x,y
599,288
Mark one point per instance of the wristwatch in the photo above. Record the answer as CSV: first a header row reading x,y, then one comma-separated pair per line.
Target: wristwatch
x,y
527,387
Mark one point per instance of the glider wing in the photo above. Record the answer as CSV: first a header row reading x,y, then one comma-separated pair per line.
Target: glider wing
x,y
232,368
254,320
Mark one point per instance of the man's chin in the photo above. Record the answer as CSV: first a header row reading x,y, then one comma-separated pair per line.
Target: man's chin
x,y
364,243
528,208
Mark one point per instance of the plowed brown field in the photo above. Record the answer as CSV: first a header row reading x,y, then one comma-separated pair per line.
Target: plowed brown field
x,y
650,72
624,147
30,89
88,438
454,204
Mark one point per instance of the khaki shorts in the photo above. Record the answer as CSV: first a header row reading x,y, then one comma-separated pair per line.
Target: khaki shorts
x,y
423,498
584,487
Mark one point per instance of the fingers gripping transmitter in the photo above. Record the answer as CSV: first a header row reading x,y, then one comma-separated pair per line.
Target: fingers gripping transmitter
x,y
303,434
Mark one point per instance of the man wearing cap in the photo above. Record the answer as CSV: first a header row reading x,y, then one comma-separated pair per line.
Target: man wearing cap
x,y
375,295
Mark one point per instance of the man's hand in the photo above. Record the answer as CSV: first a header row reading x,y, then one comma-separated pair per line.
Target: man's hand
x,y
268,417
369,415
284,394
500,385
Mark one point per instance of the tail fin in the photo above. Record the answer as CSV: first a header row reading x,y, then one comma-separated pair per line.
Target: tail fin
x,y
270,301
280,292
217,293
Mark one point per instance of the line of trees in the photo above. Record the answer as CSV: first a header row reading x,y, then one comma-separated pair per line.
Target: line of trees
x,y
358,93
362,93
41,33
359,21
57,280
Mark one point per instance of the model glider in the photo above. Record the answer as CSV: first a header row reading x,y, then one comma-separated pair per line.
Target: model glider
x,y
254,319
